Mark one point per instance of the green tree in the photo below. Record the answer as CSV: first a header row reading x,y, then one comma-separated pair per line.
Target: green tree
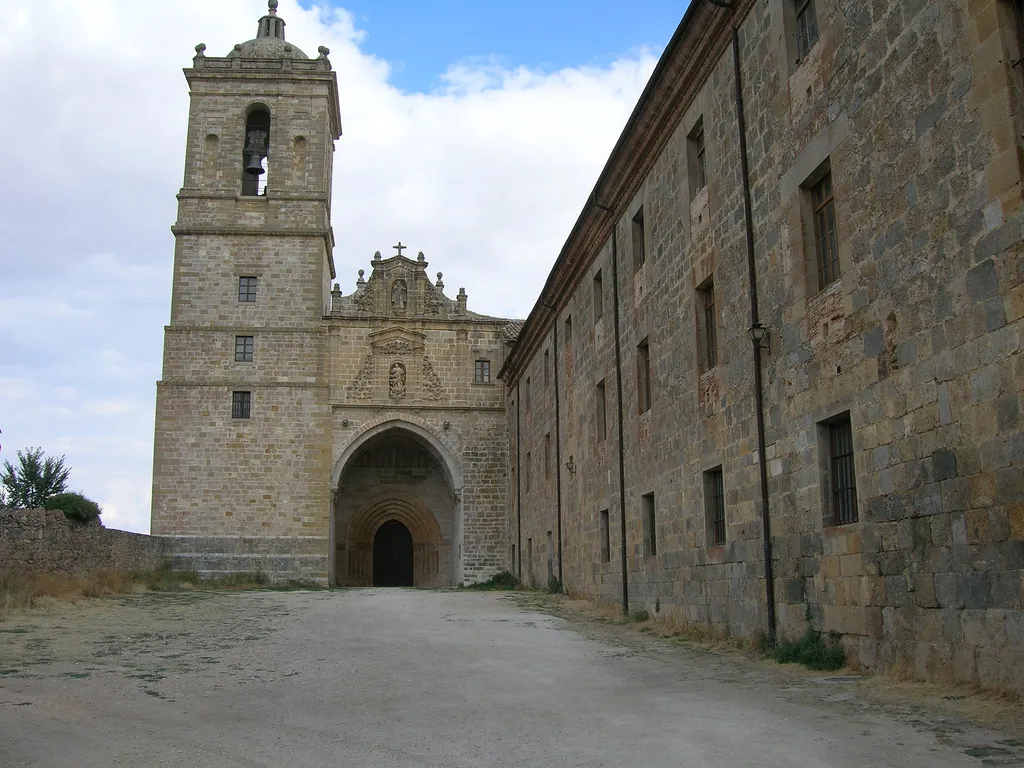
x,y
35,479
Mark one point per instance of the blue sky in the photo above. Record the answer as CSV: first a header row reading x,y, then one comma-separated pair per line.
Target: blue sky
x,y
421,40
472,131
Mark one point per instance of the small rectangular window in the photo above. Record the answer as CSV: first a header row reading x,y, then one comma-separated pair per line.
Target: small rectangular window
x,y
247,289
547,369
806,27
529,456
825,239
708,342
547,455
598,296
243,349
843,475
601,413
527,399
529,558
606,547
241,405
650,525
698,159
639,240
714,506
643,376
568,330
551,556
482,373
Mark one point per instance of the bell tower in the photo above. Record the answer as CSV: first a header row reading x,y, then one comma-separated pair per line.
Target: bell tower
x,y
242,419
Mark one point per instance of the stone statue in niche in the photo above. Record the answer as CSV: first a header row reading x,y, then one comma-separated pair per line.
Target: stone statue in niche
x,y
399,294
396,381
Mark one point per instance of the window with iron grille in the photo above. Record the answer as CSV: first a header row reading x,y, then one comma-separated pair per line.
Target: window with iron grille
x,y
243,349
241,405
247,289
649,523
482,375
606,547
843,477
826,243
643,376
639,240
714,505
602,412
709,325
698,163
806,27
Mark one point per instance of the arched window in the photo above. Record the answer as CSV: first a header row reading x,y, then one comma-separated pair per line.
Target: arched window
x,y
255,165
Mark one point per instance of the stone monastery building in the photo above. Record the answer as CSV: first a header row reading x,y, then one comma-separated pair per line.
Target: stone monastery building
x,y
773,381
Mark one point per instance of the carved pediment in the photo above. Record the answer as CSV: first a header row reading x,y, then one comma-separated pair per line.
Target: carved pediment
x,y
397,341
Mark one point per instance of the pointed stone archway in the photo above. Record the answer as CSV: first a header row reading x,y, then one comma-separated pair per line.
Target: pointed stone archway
x,y
396,470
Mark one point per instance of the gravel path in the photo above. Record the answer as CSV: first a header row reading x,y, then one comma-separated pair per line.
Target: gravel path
x,y
410,678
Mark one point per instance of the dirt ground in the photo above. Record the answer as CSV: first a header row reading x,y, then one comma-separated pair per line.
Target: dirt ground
x,y
416,678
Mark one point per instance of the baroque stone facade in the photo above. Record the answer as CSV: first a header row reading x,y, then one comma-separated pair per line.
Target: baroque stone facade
x,y
350,439
875,431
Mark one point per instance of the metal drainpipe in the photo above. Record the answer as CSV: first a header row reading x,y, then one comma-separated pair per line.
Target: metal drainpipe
x,y
766,524
518,564
558,455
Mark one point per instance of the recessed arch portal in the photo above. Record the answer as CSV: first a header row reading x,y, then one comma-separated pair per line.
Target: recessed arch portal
x,y
392,474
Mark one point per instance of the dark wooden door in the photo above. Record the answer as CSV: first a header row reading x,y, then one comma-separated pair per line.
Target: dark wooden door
x,y
392,556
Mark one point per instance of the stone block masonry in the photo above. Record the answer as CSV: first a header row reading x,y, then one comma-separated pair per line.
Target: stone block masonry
x,y
885,174
45,541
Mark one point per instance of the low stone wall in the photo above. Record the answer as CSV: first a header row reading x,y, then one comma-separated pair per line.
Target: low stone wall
x,y
46,541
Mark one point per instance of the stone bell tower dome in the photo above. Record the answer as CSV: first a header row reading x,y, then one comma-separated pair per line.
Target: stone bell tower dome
x,y
241,446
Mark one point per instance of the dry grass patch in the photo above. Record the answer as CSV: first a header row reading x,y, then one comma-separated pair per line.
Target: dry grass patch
x,y
21,591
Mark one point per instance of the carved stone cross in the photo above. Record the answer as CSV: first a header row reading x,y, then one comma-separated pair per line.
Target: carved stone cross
x,y
399,247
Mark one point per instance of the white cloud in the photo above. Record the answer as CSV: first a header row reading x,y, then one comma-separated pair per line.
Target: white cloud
x,y
486,175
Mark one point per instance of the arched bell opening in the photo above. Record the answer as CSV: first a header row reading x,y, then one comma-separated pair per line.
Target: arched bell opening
x,y
256,151
392,483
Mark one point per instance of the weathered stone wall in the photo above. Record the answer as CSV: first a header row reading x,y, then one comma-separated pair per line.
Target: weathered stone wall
x,y
917,111
45,541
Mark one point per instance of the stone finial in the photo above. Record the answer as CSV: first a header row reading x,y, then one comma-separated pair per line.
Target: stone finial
x,y
420,256
270,25
376,255
439,283
272,6
462,297
324,51
361,280
201,49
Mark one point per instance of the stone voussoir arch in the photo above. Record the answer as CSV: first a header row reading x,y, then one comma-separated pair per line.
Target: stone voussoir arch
x,y
413,425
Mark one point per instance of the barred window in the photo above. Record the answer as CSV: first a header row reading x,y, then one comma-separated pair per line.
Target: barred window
x,y
241,405
643,376
243,349
482,374
247,289
825,238
709,336
698,159
606,548
806,27
714,504
649,525
843,475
